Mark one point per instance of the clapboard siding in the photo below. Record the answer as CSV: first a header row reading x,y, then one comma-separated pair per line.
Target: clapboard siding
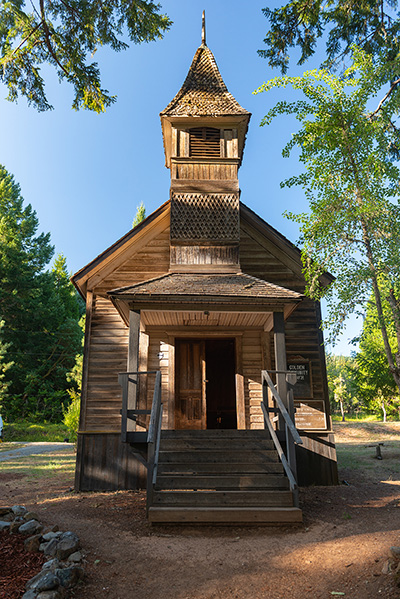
x,y
150,262
108,354
252,357
158,343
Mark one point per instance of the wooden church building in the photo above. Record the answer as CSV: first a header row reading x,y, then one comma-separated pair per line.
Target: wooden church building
x,y
204,300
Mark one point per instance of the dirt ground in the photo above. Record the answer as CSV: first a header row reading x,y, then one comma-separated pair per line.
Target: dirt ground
x,y
339,551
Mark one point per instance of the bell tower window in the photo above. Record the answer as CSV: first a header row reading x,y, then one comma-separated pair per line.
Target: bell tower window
x,y
204,142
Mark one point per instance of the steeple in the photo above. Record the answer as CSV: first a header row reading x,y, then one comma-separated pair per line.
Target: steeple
x,y
204,130
203,29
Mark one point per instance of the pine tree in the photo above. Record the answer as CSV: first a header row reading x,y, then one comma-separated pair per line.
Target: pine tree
x,y
140,215
40,336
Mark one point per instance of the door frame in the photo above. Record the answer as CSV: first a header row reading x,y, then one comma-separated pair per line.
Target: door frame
x,y
239,378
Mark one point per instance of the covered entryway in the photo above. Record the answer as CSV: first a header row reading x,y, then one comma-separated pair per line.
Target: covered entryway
x,y
205,384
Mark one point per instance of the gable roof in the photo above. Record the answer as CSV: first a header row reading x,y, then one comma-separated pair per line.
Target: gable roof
x,y
129,243
204,92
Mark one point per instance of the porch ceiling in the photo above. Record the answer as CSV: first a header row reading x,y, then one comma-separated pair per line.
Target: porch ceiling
x,y
193,319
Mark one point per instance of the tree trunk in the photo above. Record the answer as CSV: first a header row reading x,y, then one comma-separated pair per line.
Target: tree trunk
x,y
383,410
342,410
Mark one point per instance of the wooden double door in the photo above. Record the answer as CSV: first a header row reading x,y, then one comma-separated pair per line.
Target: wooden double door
x,y
205,391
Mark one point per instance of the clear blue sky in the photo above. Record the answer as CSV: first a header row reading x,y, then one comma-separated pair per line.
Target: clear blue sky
x,y
85,174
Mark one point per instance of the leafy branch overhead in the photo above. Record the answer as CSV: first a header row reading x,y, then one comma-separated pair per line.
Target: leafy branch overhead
x,y
66,34
372,25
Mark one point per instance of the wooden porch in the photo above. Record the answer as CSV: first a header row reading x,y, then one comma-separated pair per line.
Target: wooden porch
x,y
220,476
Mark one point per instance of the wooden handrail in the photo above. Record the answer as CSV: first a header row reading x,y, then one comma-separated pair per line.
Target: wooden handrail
x,y
154,431
292,434
281,453
282,408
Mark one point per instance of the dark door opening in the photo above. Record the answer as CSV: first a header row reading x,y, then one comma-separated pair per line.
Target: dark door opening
x,y
220,383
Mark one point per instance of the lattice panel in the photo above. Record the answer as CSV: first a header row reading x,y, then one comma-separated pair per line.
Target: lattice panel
x,y
204,217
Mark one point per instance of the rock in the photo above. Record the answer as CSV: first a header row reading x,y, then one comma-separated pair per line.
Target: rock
x,y
50,595
51,548
31,527
43,546
8,517
31,516
4,525
75,557
51,535
32,543
5,510
29,595
395,553
19,510
68,543
44,581
69,577
14,526
387,566
51,564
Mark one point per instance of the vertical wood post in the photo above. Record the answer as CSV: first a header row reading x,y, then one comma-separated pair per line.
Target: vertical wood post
x,y
85,375
280,358
133,362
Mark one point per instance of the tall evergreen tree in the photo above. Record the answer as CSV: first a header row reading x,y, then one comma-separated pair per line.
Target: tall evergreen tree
x,y
40,311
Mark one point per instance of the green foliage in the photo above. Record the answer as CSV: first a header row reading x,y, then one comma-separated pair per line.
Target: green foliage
x,y
140,215
40,336
352,184
24,430
66,35
71,415
343,395
374,380
373,25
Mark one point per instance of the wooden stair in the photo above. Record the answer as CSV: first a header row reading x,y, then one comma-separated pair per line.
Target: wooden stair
x,y
220,476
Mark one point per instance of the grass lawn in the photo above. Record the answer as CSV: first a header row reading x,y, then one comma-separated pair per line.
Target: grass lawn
x,y
25,431
46,466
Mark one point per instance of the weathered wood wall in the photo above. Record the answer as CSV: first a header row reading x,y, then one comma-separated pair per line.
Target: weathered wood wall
x,y
102,461
258,257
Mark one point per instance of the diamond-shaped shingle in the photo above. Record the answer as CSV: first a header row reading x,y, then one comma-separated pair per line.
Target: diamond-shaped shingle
x,y
204,92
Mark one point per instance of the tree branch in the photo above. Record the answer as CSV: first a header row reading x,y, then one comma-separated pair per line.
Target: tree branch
x,y
47,38
385,97
26,39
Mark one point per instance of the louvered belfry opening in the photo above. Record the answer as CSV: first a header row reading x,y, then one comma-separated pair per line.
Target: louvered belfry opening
x,y
204,141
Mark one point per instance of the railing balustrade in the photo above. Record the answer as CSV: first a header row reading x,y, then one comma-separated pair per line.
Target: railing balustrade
x,y
285,415
151,438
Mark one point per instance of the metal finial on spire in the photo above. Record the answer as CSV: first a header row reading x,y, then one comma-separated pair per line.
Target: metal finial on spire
x,y
203,29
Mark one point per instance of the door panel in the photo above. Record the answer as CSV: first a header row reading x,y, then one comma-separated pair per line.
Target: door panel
x,y
190,400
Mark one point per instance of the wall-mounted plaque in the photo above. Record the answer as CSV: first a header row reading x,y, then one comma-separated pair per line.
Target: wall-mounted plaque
x,y
309,414
302,368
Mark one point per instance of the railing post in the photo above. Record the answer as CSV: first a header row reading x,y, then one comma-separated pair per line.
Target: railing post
x,y
133,362
123,381
280,358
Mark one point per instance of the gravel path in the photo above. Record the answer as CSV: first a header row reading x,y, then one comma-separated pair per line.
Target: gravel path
x,y
31,449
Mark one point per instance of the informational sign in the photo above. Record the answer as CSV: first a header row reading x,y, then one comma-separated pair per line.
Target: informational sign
x,y
301,367
309,414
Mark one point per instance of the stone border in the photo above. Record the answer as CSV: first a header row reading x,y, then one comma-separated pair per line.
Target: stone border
x,y
64,566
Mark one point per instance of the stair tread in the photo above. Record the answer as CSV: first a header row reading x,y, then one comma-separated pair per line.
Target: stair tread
x,y
225,515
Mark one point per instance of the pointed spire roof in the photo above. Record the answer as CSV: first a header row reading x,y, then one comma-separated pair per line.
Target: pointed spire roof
x,y
204,92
